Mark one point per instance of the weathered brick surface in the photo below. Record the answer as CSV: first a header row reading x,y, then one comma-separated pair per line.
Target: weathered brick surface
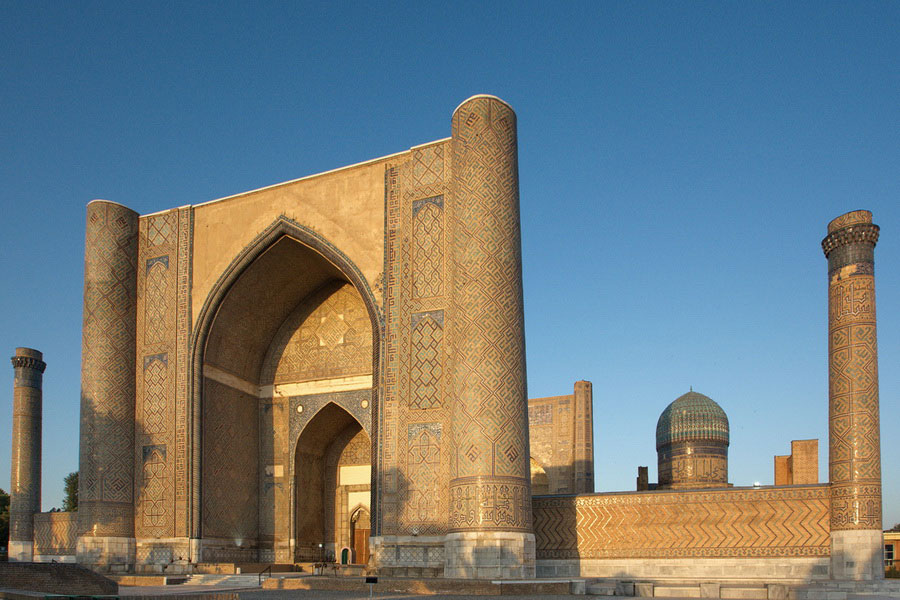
x,y
55,579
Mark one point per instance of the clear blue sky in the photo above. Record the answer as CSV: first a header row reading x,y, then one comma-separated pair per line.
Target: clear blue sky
x,y
678,166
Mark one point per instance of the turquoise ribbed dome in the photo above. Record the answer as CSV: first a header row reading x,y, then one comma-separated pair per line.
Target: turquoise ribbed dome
x,y
692,418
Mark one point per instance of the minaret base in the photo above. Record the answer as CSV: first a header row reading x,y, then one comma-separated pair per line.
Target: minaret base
x,y
489,555
857,554
21,551
106,554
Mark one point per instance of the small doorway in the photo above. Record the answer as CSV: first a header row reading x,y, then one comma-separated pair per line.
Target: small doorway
x,y
359,535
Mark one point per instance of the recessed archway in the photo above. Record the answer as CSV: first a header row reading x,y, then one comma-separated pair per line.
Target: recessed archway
x,y
332,475
235,497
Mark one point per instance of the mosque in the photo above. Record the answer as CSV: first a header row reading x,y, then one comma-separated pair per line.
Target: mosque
x,y
333,368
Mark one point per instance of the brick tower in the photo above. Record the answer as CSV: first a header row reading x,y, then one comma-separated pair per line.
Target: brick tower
x,y
854,456
490,531
106,461
25,479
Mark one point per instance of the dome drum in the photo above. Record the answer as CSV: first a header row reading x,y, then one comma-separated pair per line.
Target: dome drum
x,y
692,438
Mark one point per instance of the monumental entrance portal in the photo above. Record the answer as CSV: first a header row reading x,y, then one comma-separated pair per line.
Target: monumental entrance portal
x,y
289,373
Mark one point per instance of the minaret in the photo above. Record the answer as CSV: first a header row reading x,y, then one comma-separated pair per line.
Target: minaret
x,y
490,487
25,479
106,460
854,453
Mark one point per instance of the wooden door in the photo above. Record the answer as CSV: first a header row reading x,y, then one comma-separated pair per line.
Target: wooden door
x,y
361,546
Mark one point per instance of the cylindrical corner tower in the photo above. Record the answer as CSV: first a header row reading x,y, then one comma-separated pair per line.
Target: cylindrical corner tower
x,y
25,478
490,489
106,460
854,447
692,438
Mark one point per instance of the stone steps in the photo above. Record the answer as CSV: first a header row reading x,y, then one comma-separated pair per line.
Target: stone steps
x,y
687,588
226,580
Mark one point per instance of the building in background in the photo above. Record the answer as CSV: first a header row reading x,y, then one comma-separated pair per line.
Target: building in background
x,y
801,466
562,442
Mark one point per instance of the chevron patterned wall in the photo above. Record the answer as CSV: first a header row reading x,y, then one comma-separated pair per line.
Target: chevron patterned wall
x,y
787,522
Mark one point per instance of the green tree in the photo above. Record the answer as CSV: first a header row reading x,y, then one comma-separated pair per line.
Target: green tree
x,y
4,518
70,502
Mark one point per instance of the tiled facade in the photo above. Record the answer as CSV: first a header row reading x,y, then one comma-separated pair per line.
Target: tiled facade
x,y
334,367
854,462
692,438
560,431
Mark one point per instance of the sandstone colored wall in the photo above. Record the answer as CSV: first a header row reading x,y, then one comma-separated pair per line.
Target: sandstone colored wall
x,y
729,523
161,458
106,457
414,429
322,353
801,466
561,440
55,536
346,206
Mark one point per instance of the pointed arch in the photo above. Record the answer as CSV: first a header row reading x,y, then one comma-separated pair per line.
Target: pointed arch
x,y
282,227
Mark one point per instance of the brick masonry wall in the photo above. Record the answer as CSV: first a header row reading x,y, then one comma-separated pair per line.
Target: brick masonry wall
x,y
55,579
55,533
742,522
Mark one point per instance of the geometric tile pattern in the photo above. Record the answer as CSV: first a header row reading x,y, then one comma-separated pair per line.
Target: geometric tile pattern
x,y
163,334
108,369
154,408
688,524
385,455
329,335
158,302
855,460
426,364
155,514
415,397
162,284
161,228
428,165
183,330
55,533
488,346
423,471
854,430
229,468
428,258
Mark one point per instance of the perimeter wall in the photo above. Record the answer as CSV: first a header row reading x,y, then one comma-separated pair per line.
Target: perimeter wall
x,y
771,532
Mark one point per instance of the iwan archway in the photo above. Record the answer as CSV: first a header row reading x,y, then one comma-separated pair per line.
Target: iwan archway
x,y
332,487
285,363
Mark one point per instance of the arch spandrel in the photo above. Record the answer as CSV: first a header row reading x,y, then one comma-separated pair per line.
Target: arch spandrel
x,y
345,206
